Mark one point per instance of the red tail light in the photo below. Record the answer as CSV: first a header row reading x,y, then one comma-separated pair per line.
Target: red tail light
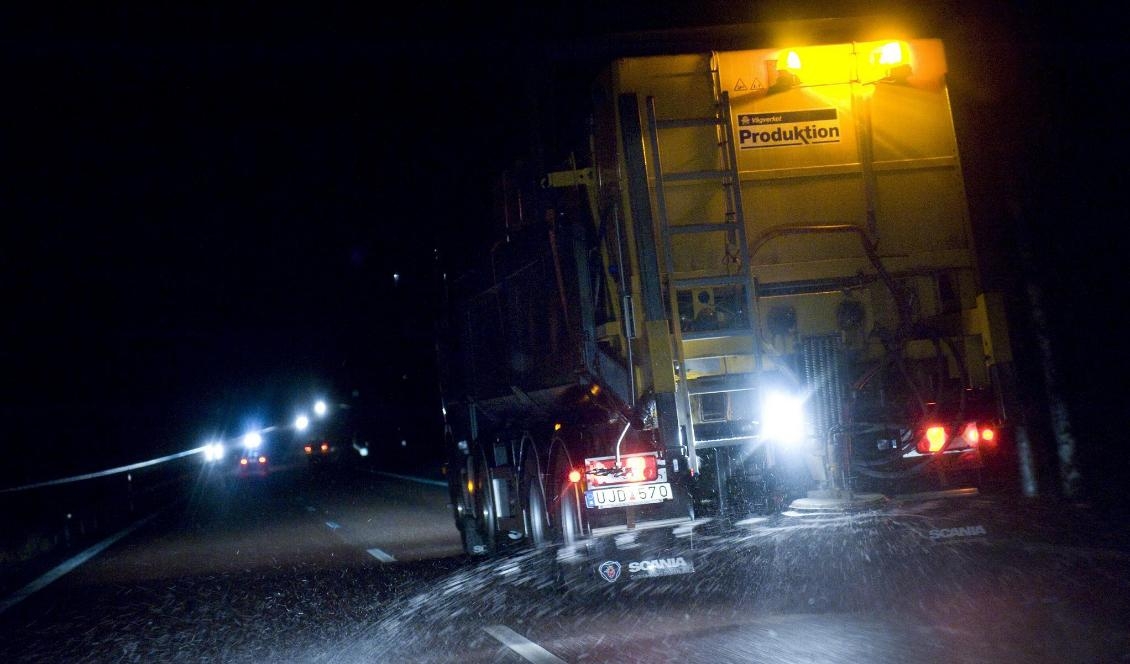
x,y
936,438
634,468
574,476
971,435
325,447
641,468
988,438
308,449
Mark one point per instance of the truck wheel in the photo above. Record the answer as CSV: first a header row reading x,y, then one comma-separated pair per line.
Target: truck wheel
x,y
569,519
568,527
537,525
544,571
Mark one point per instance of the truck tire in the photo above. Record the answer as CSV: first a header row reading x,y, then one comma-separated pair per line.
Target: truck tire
x,y
569,517
537,522
535,516
544,571
567,524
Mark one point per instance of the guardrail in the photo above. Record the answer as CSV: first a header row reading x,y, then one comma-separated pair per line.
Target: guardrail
x,y
42,520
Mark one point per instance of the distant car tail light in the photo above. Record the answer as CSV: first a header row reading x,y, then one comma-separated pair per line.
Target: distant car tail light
x,y
988,438
243,462
308,449
325,447
933,440
262,459
971,435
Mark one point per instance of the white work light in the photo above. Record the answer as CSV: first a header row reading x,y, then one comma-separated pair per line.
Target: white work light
x,y
782,418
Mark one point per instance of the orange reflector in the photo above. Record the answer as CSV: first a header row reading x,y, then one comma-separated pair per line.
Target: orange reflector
x,y
470,486
936,438
988,434
557,427
574,476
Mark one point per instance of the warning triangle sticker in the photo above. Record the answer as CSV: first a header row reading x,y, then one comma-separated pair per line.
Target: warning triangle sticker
x,y
740,85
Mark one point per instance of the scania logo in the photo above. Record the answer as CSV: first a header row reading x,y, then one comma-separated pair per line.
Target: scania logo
x,y
657,564
963,531
609,570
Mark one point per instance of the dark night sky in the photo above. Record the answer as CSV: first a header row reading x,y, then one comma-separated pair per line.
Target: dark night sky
x,y
204,209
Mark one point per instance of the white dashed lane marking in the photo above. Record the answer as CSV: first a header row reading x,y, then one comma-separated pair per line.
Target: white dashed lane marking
x,y
525,648
68,565
381,556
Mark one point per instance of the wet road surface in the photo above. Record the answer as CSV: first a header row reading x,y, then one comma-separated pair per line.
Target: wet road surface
x,y
352,567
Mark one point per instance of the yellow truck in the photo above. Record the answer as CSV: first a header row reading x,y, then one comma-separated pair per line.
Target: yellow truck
x,y
754,291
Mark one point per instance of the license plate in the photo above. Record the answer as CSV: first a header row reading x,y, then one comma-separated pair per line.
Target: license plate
x,y
622,496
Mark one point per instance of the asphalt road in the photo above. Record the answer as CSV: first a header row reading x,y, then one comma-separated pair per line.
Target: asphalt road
x,y
354,567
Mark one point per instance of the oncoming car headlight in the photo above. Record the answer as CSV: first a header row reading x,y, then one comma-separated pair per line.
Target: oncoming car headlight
x,y
782,418
252,440
213,451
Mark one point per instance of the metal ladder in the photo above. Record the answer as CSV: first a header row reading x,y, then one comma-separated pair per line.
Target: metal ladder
x,y
743,339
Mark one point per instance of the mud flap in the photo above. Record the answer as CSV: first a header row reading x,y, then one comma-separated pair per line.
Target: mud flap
x,y
611,564
474,543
